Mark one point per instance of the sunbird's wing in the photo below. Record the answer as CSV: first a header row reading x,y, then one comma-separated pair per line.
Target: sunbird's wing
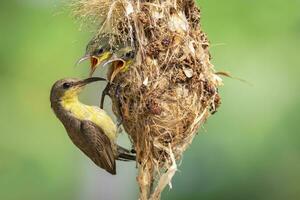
x,y
99,148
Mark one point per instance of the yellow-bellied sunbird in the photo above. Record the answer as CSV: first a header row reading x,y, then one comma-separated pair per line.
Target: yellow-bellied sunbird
x,y
98,50
89,127
120,62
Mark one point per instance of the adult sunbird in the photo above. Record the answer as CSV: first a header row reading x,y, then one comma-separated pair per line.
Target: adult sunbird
x,y
89,127
98,50
120,62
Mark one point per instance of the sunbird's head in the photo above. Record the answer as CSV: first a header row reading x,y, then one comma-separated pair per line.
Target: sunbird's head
x,y
69,88
121,60
98,51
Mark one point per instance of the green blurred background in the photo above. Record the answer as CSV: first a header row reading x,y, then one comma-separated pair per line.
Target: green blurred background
x,y
250,149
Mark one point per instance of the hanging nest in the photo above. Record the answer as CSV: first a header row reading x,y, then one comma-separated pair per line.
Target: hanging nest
x,y
169,91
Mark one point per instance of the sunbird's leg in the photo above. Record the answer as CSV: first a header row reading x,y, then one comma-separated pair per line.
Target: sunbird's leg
x,y
104,93
119,121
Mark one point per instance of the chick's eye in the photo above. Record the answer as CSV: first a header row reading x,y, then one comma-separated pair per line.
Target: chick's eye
x,y
100,51
129,54
66,85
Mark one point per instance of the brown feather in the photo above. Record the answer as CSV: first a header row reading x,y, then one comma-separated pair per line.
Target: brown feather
x,y
99,147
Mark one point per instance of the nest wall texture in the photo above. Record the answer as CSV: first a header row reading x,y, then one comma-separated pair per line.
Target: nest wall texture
x,y
169,91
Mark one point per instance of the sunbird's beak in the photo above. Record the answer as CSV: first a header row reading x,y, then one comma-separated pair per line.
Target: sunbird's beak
x,y
84,82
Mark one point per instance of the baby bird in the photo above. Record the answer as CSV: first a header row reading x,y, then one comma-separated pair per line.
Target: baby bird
x,y
98,50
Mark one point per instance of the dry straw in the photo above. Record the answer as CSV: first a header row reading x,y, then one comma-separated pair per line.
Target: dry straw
x,y
170,90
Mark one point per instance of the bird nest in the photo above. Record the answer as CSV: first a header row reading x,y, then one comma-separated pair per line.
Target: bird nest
x,y
169,91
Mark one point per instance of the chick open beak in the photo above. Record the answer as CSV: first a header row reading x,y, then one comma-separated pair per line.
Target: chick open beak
x,y
95,61
117,65
82,59
99,60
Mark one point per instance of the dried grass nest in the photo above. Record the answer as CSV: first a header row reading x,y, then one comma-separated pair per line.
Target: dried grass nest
x,y
169,91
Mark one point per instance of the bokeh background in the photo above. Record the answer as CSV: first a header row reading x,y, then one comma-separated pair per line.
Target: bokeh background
x,y
250,149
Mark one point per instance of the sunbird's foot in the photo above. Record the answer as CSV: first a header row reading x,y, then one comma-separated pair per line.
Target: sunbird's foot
x,y
124,154
133,151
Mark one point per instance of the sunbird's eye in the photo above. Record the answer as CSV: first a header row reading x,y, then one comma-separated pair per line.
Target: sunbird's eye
x,y
100,51
66,85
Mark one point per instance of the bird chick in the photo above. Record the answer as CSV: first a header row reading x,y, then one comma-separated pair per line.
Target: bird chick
x,y
121,61
98,50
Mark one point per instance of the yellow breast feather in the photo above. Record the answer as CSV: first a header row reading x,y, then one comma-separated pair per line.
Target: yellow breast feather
x,y
93,114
